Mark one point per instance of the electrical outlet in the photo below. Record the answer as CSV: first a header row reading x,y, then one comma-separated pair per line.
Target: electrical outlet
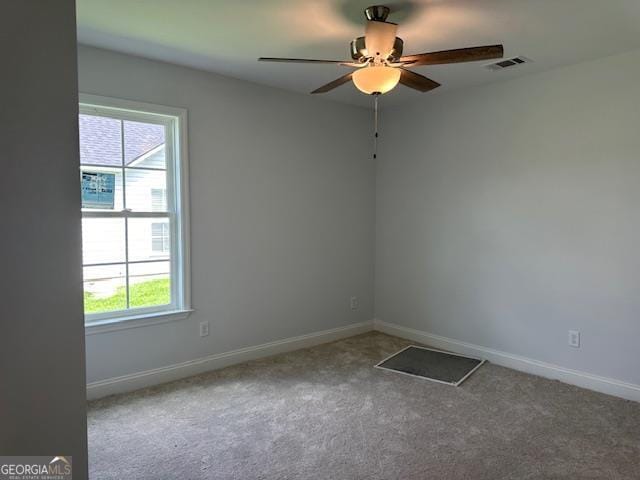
x,y
204,329
354,303
574,338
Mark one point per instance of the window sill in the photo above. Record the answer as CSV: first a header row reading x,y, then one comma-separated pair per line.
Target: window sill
x,y
135,321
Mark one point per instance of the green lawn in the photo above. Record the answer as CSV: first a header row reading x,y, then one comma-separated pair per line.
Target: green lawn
x,y
146,294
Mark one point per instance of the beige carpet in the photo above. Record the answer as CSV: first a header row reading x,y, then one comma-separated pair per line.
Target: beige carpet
x,y
326,413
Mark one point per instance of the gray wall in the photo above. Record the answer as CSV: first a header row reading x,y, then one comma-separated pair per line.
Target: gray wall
x,y
508,214
282,212
42,395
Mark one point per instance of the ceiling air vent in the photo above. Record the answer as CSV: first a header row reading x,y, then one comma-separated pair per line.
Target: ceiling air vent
x,y
508,63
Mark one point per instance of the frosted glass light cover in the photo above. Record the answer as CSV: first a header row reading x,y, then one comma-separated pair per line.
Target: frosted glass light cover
x,y
376,79
379,38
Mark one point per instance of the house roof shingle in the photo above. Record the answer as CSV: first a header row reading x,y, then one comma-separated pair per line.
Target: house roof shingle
x,y
100,140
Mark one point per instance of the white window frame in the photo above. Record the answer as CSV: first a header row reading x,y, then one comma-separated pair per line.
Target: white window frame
x,y
175,121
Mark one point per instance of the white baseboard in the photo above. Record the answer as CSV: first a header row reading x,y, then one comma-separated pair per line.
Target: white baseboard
x,y
606,385
156,376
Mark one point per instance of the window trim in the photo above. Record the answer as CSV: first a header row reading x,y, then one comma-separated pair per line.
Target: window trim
x,y
178,190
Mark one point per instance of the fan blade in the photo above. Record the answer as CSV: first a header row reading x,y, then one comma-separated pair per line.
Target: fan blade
x,y
471,54
336,83
416,81
299,60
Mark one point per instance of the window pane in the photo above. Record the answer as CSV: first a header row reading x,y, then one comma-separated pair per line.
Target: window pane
x,y
158,200
146,190
144,144
148,239
117,194
104,289
160,238
149,284
100,140
103,240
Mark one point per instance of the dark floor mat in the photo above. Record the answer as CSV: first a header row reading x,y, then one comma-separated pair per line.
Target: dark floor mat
x,y
435,365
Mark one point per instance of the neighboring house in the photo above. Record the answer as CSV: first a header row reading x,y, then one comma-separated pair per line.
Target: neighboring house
x,y
136,152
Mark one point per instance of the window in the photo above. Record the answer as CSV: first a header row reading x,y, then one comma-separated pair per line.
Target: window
x,y
160,238
134,212
158,199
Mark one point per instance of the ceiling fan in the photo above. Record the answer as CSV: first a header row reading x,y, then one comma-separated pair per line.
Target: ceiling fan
x,y
379,63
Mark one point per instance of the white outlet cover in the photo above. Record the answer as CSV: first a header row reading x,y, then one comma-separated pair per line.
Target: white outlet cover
x,y
354,303
204,329
574,338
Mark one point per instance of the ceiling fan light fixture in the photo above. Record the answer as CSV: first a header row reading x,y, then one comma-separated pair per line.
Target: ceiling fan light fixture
x,y
376,79
378,61
358,50
379,38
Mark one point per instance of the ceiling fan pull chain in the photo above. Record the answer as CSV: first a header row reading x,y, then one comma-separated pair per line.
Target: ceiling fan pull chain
x,y
375,125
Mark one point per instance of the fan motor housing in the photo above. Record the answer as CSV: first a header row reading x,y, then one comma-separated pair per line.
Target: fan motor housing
x,y
377,13
358,46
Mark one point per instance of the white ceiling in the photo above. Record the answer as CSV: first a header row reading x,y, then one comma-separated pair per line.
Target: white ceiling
x,y
227,36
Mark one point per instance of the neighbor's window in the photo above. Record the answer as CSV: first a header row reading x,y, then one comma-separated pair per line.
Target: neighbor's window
x,y
160,238
132,212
